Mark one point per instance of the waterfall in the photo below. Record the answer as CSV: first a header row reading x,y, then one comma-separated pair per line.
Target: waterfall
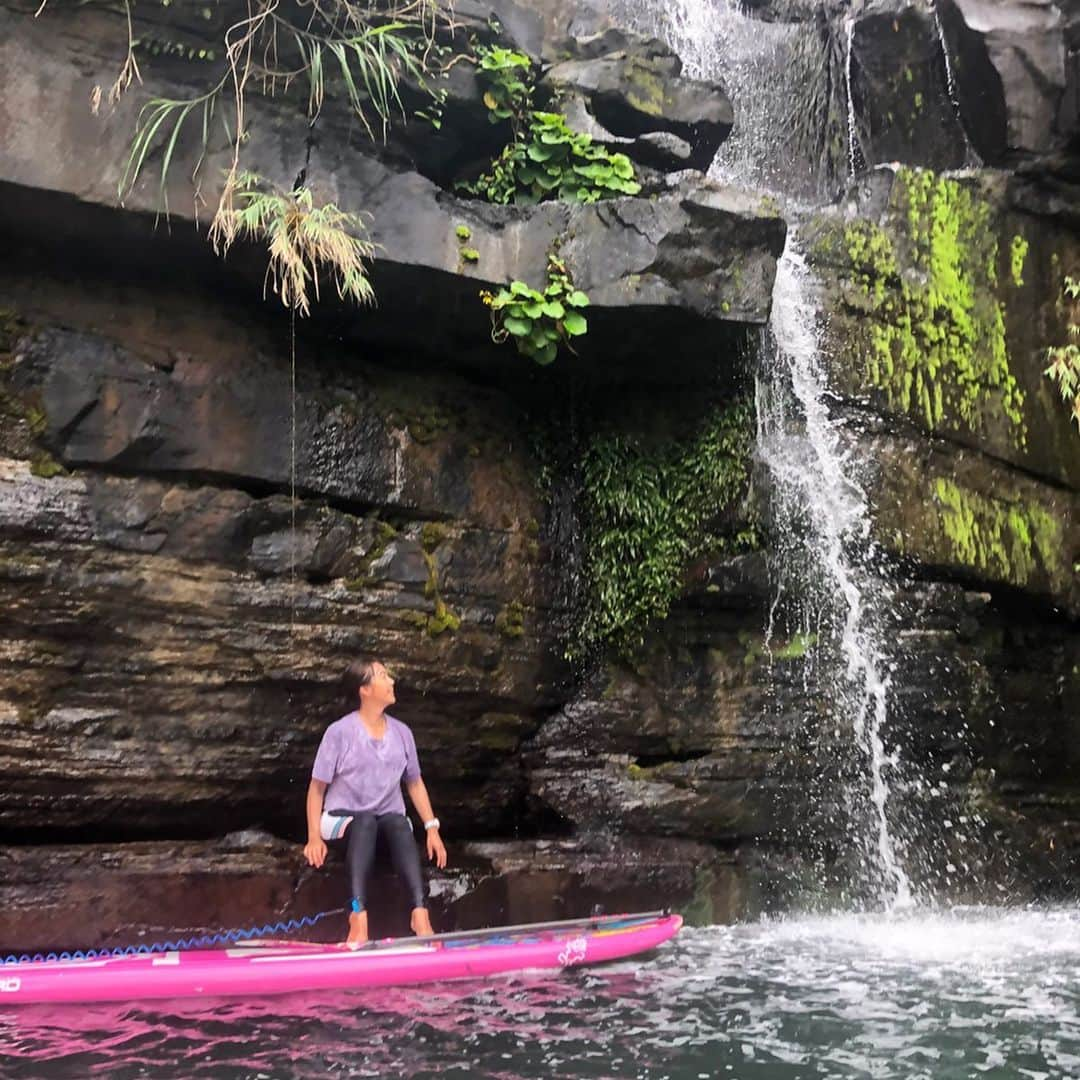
x,y
950,81
765,69
818,503
786,88
852,126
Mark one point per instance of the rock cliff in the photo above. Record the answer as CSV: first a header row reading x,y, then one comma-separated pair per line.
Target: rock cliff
x,y
207,509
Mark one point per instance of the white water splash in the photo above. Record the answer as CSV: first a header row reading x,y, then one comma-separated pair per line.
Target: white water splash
x,y
818,499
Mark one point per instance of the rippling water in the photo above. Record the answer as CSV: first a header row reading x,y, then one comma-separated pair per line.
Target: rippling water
x,y
967,993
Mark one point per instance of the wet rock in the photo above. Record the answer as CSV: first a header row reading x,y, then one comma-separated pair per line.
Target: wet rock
x,y
639,93
550,879
171,645
942,297
360,440
1016,77
899,82
100,896
144,690
683,743
966,514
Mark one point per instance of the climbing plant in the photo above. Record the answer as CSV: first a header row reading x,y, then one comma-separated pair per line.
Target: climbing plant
x,y
544,158
1064,367
649,509
538,322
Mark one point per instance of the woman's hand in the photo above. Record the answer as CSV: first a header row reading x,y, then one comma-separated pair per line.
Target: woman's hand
x,y
315,852
436,851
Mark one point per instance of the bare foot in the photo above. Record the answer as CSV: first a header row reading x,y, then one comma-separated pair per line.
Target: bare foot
x,y
358,934
421,922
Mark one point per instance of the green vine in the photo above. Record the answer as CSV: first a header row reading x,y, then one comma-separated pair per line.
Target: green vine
x,y
1064,367
649,512
545,159
538,322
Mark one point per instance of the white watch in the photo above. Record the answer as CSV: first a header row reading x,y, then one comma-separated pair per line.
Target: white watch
x,y
432,824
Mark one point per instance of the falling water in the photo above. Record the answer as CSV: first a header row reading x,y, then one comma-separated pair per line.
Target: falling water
x,y
852,127
817,496
769,70
972,158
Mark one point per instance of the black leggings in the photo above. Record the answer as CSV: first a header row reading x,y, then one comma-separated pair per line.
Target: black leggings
x,y
396,832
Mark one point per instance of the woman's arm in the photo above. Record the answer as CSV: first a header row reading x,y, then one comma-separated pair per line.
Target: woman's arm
x,y
315,848
418,793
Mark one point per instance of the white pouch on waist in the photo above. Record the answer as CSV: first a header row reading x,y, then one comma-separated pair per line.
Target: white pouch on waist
x,y
332,827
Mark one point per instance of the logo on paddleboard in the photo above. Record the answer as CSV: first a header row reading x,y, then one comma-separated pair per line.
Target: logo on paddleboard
x,y
10,984
574,953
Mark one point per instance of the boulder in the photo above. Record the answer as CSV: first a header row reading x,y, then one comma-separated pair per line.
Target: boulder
x,y
639,95
900,82
1017,80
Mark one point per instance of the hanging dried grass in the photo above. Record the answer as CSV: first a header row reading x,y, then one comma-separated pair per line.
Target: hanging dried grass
x,y
301,238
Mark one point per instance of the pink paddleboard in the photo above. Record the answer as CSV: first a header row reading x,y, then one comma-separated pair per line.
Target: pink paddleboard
x,y
281,967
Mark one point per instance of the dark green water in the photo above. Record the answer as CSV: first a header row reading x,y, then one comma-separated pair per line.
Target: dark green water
x,y
967,993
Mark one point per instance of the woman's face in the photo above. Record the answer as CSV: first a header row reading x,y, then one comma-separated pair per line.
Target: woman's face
x,y
380,690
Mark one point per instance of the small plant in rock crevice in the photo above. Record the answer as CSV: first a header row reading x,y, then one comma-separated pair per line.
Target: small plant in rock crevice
x,y
538,322
510,85
545,159
1064,369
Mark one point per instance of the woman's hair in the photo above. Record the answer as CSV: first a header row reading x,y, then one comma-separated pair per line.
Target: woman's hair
x,y
358,673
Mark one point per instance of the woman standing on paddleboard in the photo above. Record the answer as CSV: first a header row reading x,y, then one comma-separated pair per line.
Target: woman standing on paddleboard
x,y
355,795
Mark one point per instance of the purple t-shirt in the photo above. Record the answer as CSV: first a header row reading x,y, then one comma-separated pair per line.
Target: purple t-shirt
x,y
365,774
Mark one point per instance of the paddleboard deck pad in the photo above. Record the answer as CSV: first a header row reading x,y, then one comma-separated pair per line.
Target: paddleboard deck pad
x,y
281,967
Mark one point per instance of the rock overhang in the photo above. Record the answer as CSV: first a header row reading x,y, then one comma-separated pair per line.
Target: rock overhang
x,y
704,254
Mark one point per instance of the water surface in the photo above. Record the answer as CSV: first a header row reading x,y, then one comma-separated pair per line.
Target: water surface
x,y
966,993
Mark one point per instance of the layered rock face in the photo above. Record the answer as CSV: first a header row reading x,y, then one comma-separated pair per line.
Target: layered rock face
x,y
206,512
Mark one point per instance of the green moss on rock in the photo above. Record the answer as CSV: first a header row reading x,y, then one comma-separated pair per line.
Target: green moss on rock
x,y
510,622
1007,539
1018,250
441,620
46,466
936,342
432,535
796,648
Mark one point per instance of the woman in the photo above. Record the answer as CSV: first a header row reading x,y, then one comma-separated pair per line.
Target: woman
x,y
355,795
